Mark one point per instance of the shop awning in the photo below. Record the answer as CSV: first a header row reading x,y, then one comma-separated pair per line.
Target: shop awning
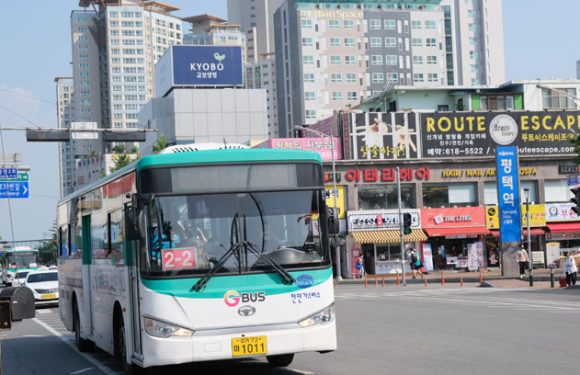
x,y
533,232
464,231
564,227
387,236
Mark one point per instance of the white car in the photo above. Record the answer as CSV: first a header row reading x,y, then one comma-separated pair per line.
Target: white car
x,y
44,286
20,278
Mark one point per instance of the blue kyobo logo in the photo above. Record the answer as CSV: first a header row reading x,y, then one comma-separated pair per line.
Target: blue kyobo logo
x,y
304,281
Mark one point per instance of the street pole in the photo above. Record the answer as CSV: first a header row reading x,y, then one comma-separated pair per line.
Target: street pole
x,y
401,224
530,261
334,193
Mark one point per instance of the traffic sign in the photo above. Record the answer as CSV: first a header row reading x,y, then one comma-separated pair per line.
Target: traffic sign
x,y
8,173
14,189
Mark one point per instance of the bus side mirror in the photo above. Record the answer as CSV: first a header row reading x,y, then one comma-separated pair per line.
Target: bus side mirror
x,y
131,224
333,221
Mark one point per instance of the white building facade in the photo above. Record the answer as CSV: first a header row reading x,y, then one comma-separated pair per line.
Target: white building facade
x,y
66,152
332,56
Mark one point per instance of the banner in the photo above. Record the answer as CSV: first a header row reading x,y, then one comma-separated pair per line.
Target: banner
x,y
508,192
383,136
478,133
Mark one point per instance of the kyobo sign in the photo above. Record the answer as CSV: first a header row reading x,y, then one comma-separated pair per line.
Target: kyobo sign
x,y
207,66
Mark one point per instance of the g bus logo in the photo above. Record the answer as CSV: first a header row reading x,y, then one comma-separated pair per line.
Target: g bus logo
x,y
232,298
304,281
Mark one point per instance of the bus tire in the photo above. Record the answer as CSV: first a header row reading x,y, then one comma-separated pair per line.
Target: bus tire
x,y
280,360
82,345
121,348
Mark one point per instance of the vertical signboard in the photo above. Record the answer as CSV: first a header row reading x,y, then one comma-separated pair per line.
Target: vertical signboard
x,y
508,192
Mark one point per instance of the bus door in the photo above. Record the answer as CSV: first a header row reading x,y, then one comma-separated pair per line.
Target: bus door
x,y
86,273
132,262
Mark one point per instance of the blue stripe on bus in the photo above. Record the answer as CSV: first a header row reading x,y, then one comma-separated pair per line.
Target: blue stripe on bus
x,y
218,285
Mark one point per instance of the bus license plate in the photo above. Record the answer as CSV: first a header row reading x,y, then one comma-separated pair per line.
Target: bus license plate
x,y
48,296
243,346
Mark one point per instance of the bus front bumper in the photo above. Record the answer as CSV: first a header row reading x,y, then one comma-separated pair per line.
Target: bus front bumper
x,y
176,350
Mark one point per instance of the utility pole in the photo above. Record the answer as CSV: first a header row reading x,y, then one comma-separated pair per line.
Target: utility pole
x,y
401,224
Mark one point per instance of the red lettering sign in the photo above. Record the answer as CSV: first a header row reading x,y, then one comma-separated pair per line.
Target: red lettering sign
x,y
370,175
352,175
388,174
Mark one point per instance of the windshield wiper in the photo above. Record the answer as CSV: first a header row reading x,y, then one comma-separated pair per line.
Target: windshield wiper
x,y
224,258
288,278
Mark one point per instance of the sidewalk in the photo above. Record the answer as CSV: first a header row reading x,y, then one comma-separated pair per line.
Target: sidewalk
x,y
489,278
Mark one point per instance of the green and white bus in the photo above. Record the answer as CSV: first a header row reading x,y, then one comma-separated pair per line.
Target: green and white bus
x,y
16,260
200,256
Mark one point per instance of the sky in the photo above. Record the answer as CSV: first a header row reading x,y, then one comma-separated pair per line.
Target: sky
x,y
539,41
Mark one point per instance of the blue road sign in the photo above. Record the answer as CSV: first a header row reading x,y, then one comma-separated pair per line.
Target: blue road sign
x,y
8,173
510,224
14,189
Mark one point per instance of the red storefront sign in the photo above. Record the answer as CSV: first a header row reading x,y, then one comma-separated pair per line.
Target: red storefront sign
x,y
386,174
455,221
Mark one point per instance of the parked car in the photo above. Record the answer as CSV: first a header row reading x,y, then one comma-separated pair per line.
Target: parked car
x,y
44,286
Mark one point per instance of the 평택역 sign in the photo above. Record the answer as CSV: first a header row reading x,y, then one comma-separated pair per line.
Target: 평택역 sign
x,y
508,192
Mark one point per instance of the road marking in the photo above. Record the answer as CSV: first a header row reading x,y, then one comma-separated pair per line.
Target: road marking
x,y
44,312
81,371
304,372
70,343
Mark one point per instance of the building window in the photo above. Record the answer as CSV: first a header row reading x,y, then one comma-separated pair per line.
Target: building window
x,y
449,195
496,102
374,24
390,42
391,60
349,42
333,24
377,78
336,77
431,60
310,114
376,42
350,77
351,95
337,95
376,197
306,23
430,24
560,99
432,77
349,24
416,24
350,60
307,42
417,42
309,95
376,59
431,42
417,60
308,60
309,77
335,42
390,25
335,60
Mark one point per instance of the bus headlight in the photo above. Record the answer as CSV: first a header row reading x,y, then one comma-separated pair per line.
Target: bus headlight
x,y
321,317
163,329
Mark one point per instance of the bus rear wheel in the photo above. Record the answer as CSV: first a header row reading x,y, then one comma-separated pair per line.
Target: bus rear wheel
x,y
281,360
82,345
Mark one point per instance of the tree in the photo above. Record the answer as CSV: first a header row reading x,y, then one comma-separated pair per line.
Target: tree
x,y
160,144
49,250
121,158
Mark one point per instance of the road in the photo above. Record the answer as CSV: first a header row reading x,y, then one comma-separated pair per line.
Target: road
x,y
390,330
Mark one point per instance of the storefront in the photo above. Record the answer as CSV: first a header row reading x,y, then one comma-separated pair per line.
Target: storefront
x,y
537,232
375,234
456,237
563,234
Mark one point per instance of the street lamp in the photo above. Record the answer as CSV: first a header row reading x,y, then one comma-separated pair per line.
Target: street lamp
x,y
530,262
334,190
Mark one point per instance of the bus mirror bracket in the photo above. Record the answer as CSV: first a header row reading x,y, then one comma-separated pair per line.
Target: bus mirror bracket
x,y
133,232
333,221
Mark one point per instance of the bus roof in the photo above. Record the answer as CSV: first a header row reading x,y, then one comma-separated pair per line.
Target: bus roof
x,y
227,156
201,157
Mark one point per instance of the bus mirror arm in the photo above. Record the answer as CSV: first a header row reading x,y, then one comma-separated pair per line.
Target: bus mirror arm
x,y
133,232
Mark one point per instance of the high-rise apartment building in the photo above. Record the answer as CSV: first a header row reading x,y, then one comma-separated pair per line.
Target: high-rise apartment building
x,y
262,75
66,152
115,45
333,55
255,18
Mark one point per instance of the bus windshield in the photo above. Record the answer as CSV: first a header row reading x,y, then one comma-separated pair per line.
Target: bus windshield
x,y
191,234
21,259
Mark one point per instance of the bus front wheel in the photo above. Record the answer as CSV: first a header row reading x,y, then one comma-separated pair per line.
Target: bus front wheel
x,y
281,360
121,350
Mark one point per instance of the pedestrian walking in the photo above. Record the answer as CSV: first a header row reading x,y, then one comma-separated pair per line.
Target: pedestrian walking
x,y
522,258
570,269
360,266
415,263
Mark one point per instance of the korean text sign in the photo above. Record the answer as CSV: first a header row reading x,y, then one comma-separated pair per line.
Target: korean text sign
x,y
508,192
